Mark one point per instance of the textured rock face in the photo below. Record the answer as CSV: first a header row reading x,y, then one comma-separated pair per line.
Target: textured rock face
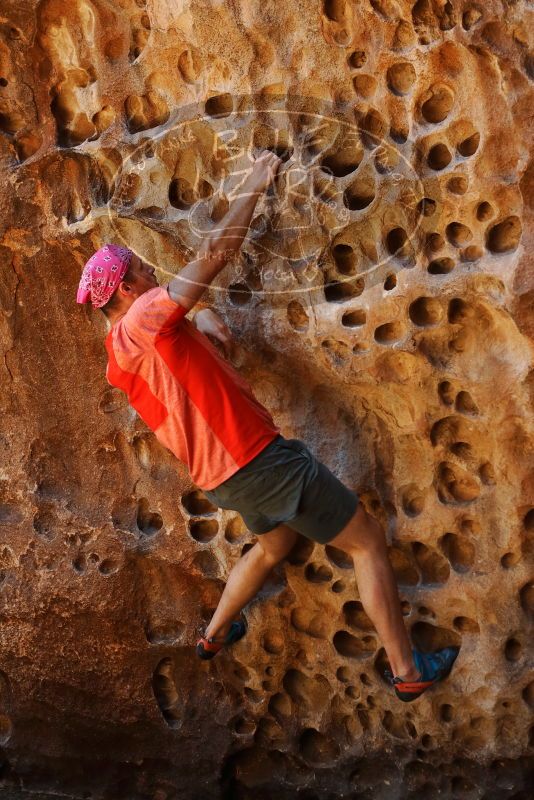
x,y
383,305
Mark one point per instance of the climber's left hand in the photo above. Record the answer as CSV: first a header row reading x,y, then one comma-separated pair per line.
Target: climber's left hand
x,y
212,325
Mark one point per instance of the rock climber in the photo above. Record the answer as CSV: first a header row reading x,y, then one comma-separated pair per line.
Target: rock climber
x,y
204,412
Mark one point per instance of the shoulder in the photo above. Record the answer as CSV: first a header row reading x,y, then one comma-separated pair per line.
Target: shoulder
x,y
154,312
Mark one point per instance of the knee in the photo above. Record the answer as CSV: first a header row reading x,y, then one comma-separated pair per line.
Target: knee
x,y
367,535
271,552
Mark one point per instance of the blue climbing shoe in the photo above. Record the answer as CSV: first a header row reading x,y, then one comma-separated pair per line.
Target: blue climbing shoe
x,y
433,667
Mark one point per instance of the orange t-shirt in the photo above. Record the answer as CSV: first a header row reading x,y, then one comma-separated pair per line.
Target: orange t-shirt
x,y
196,403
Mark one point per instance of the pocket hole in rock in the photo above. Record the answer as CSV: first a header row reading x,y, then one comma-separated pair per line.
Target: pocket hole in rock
x,y
405,570
465,403
244,726
197,504
239,293
340,291
318,573
344,674
509,560
484,211
426,207
433,567
359,195
413,502
439,157
364,85
357,59
339,586
353,319
425,311
351,647
458,184
219,105
355,616
297,316
338,557
468,147
459,311
166,694
396,240
471,254
441,266
390,282
528,694
79,564
466,625
487,474
360,348
181,194
390,332
343,161
456,485
373,128
434,242
504,237
513,649
148,522
458,234
439,104
280,705
427,637
526,598
235,530
108,566
203,530
459,551
345,258
446,392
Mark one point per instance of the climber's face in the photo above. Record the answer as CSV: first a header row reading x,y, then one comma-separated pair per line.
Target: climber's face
x,y
141,277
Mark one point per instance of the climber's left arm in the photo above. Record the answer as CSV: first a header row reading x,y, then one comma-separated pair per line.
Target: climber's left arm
x,y
210,323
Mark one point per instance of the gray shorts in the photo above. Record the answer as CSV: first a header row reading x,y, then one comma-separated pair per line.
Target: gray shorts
x,y
286,483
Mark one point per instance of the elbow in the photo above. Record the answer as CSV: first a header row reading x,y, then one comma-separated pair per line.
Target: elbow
x,y
215,249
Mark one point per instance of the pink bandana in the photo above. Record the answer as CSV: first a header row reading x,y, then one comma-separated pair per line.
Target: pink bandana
x,y
102,274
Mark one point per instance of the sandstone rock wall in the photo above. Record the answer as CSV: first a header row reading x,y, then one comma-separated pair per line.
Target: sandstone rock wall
x,y
383,306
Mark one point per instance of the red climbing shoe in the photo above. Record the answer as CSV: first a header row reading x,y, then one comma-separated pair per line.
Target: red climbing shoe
x,y
433,667
208,648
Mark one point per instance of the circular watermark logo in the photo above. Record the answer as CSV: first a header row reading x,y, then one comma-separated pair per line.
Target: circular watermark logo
x,y
341,213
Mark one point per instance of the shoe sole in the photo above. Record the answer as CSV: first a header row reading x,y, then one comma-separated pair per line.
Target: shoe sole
x,y
408,697
207,655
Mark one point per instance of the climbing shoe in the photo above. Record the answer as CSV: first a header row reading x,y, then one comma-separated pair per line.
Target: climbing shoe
x,y
433,667
208,648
